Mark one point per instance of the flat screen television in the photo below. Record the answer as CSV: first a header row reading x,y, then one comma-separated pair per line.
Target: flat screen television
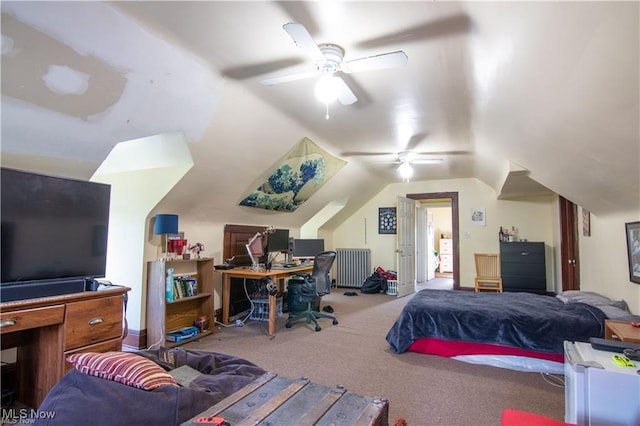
x,y
53,234
307,248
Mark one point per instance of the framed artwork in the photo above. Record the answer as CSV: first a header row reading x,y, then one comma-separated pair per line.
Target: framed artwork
x,y
586,223
387,220
633,250
478,216
295,178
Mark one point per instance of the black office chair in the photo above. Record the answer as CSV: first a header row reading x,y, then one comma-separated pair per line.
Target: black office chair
x,y
310,291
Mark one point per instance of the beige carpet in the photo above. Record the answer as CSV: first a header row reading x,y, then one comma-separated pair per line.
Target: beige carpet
x,y
425,390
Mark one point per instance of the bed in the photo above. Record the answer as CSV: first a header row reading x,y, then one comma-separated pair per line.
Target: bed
x,y
521,331
85,398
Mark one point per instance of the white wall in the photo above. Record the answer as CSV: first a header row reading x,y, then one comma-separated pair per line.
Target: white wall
x,y
534,219
140,172
442,223
604,267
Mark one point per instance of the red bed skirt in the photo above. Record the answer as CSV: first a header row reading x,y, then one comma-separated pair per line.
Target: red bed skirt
x,y
451,348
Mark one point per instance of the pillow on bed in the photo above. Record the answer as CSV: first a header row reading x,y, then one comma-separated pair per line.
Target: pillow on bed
x,y
122,367
615,313
591,298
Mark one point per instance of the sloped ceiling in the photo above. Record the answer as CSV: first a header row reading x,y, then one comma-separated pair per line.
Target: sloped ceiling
x,y
550,86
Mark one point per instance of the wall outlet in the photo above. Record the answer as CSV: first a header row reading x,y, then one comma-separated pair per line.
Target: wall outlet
x,y
467,235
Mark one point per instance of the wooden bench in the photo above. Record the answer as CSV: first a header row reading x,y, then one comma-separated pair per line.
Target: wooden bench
x,y
276,400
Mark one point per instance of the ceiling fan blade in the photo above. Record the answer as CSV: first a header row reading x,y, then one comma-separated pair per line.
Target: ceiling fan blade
x,y
427,161
287,78
303,40
252,70
443,153
345,95
388,162
299,12
365,154
386,60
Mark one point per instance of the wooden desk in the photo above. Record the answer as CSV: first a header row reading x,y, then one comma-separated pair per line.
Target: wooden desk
x,y
621,331
278,275
48,329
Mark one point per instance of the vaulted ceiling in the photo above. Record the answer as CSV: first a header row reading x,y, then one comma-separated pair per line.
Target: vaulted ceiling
x,y
528,97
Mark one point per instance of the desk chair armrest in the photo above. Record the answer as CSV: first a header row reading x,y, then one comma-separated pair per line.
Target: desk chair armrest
x,y
307,277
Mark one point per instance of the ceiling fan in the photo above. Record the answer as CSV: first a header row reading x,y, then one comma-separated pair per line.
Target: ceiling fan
x,y
407,158
412,157
328,59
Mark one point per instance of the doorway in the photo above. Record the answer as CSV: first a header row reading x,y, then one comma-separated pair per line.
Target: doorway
x,y
446,198
569,251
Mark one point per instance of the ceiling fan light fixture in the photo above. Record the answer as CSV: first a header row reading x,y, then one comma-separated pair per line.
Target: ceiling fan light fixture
x,y
405,170
326,89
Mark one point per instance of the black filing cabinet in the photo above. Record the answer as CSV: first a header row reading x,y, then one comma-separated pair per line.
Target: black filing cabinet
x,y
522,267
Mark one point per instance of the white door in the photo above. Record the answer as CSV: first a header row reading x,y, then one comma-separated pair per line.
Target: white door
x,y
422,246
406,243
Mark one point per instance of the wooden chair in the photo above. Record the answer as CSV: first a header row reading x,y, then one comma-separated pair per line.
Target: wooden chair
x,y
488,272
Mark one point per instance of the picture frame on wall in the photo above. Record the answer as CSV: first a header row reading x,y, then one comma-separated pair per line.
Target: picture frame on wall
x,y
633,250
586,223
478,216
387,220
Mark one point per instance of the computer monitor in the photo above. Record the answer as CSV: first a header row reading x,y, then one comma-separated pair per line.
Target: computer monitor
x,y
307,248
278,241
255,249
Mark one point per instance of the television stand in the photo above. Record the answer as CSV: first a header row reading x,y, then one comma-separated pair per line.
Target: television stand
x,y
46,330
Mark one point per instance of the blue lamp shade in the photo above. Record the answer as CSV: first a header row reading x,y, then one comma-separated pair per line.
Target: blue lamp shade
x,y
166,224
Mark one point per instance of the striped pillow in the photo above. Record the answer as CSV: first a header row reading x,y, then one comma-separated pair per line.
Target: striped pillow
x,y
122,367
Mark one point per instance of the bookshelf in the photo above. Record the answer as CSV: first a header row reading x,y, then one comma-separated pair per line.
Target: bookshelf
x,y
165,316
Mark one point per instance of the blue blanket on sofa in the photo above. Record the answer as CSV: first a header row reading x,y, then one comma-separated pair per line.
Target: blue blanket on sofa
x,y
523,320
81,399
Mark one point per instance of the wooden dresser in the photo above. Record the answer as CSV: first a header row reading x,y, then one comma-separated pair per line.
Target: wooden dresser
x,y
522,266
46,330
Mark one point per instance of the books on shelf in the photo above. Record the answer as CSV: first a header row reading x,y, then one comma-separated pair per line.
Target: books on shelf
x,y
184,286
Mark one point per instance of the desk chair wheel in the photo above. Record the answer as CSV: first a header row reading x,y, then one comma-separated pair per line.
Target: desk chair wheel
x,y
288,324
335,322
318,328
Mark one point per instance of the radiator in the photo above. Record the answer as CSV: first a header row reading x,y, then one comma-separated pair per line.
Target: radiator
x,y
353,266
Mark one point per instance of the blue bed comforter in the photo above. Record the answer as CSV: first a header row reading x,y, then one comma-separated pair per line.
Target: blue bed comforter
x,y
523,320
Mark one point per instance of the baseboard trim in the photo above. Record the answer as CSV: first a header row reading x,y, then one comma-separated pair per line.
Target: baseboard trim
x,y
136,339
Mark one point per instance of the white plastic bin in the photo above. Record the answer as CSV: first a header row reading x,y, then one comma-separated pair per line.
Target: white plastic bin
x,y
392,287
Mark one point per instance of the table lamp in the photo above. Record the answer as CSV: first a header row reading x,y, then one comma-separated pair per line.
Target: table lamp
x,y
166,224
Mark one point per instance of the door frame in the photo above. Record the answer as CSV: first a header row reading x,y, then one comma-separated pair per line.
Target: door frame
x,y
455,227
422,244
